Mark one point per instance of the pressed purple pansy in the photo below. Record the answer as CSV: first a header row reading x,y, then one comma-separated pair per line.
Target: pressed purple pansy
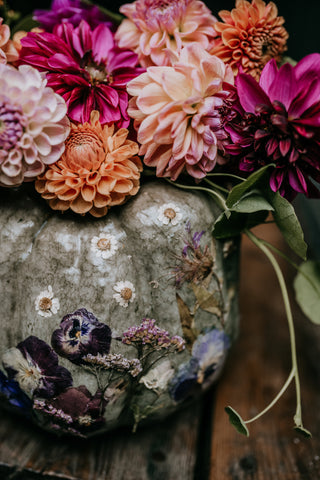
x,y
86,67
279,122
80,334
34,366
71,11
208,355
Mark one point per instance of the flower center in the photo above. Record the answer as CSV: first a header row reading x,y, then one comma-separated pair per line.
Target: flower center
x,y
12,123
104,244
126,293
45,303
170,213
166,14
84,149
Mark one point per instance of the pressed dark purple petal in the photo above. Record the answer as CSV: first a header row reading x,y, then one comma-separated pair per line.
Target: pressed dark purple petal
x,y
297,180
285,145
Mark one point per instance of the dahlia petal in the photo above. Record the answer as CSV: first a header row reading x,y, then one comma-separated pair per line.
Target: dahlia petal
x,y
88,192
306,98
297,180
250,93
147,128
79,205
152,99
62,63
309,65
43,144
284,86
122,59
102,43
276,179
135,86
268,75
106,185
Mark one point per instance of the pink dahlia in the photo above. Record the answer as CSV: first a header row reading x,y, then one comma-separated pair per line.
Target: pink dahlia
x,y
155,28
33,124
86,68
179,113
280,124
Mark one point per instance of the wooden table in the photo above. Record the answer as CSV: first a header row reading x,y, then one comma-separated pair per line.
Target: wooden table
x,y
199,443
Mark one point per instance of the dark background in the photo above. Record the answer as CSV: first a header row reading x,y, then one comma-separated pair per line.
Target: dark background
x,y
302,19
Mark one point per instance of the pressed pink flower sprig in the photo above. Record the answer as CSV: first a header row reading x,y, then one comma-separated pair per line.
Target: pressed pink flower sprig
x,y
155,29
280,124
179,113
86,68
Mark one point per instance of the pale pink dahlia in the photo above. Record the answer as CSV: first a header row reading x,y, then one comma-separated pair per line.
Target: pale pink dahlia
x,y
155,28
179,113
86,68
33,124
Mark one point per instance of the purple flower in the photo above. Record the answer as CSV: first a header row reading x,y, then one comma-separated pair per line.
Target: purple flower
x,y
208,355
279,122
149,334
12,394
74,410
80,334
72,11
34,366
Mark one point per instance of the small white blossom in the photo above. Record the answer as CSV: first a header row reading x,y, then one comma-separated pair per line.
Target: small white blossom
x,y
169,213
158,377
125,293
46,305
104,245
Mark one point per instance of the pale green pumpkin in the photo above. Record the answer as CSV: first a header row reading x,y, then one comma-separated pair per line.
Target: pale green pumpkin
x,y
123,268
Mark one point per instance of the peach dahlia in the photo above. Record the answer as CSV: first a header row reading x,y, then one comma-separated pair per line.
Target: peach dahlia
x,y
250,35
98,169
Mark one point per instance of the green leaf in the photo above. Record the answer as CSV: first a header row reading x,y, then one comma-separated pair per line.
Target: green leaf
x,y
288,223
237,421
303,431
307,289
26,24
236,223
239,190
251,203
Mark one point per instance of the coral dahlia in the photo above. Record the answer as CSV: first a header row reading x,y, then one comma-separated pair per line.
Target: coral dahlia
x,y
98,169
154,28
250,35
33,124
280,124
86,68
179,113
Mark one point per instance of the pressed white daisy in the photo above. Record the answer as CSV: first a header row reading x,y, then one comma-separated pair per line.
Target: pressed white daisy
x,y
45,303
169,213
125,293
104,245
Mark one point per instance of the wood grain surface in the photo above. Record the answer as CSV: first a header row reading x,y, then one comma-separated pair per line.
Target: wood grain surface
x,y
198,443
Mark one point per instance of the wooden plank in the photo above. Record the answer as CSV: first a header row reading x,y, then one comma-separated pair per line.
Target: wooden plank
x,y
256,370
166,450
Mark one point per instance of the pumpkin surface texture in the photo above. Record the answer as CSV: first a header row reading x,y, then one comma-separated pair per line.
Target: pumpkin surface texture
x,y
112,321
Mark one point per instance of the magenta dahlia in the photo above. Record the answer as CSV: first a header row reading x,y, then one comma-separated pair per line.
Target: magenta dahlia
x,y
86,68
280,124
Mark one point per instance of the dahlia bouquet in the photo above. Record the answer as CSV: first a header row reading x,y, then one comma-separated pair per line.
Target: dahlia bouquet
x,y
93,102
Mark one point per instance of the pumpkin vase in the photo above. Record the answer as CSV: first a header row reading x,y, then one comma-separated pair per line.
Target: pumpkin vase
x,y
112,321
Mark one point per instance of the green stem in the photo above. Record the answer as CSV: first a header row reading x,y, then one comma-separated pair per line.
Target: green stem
x,y
274,401
231,175
292,263
218,187
218,198
259,243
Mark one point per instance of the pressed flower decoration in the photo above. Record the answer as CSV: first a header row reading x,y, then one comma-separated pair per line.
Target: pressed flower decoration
x,y
91,104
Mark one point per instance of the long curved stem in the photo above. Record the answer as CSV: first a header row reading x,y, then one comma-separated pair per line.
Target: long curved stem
x,y
285,296
218,198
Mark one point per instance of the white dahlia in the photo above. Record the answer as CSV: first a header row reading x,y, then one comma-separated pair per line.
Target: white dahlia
x,y
33,124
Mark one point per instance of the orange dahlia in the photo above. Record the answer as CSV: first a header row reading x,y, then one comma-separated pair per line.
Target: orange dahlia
x,y
98,169
250,35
